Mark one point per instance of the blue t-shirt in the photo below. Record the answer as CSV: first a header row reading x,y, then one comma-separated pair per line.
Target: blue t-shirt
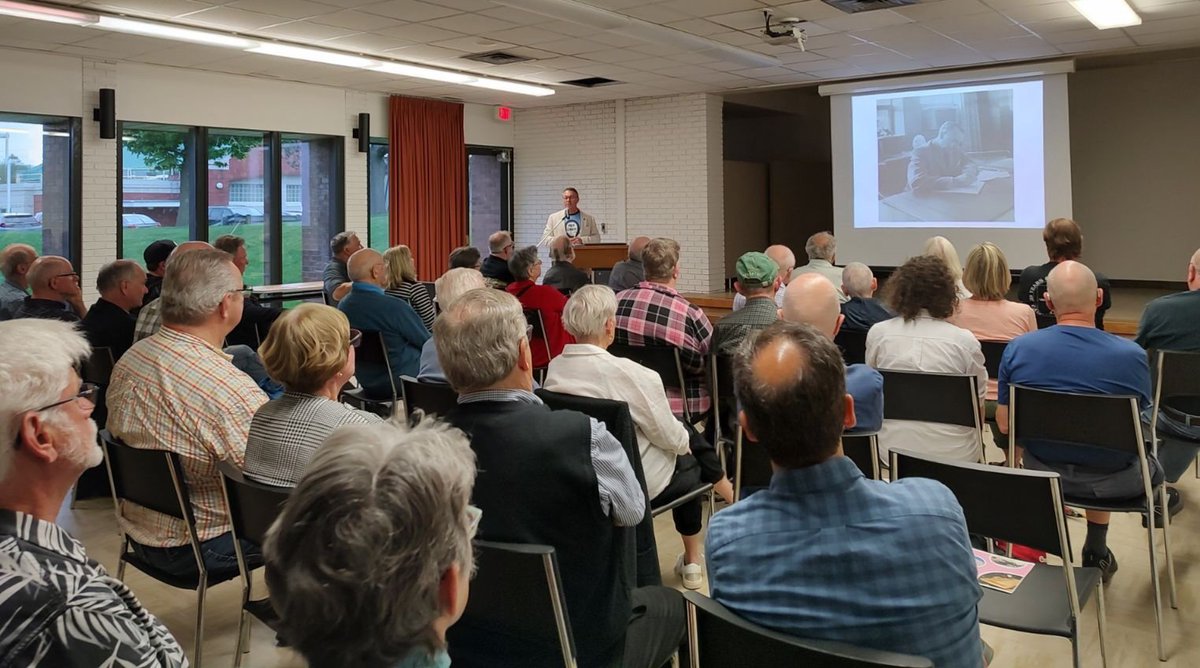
x,y
1075,359
866,386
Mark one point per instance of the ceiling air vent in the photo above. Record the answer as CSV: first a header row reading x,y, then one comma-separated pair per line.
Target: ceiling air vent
x,y
854,6
497,58
591,82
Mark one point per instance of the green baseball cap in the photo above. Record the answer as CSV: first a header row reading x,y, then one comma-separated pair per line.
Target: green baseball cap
x,y
756,270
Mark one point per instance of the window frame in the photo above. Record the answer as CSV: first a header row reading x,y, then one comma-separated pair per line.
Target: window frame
x,y
74,125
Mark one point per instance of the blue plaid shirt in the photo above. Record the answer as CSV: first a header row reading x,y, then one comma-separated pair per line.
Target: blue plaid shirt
x,y
827,554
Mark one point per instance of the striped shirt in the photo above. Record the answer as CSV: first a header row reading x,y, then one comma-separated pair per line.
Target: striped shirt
x,y
60,608
653,314
286,432
174,391
149,320
417,297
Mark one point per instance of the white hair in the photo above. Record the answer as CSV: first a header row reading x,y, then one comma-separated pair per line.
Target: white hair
x,y
478,338
456,283
821,246
588,310
941,248
195,283
856,280
35,368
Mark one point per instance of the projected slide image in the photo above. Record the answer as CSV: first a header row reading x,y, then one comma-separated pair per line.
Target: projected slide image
x,y
945,157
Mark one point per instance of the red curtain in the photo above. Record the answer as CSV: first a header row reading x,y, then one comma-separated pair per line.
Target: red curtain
x,y
427,170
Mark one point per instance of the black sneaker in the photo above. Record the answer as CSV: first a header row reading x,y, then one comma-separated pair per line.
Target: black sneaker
x,y
1174,504
1106,563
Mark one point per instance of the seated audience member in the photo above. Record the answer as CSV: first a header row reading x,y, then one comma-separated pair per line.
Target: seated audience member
x,y
1064,241
55,291
466,256
337,275
178,391
824,553
15,261
942,249
149,317
655,314
401,281
861,309
674,458
584,486
526,267
310,351
785,259
60,607
371,310
449,287
155,256
108,324
988,315
1075,356
256,319
1173,322
822,254
386,589
920,338
758,282
495,266
562,275
812,301
628,273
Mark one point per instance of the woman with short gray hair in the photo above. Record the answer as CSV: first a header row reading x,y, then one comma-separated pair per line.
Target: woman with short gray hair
x,y
526,268
674,458
369,563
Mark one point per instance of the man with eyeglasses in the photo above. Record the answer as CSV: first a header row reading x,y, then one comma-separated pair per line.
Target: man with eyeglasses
x,y
571,222
58,607
56,293
495,266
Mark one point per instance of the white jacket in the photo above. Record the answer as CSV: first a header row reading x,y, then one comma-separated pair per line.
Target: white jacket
x,y
590,234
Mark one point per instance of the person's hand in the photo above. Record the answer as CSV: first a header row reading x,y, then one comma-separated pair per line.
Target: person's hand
x,y
970,173
68,287
576,241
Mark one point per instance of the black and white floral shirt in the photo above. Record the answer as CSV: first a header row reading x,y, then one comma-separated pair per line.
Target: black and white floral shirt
x,y
60,608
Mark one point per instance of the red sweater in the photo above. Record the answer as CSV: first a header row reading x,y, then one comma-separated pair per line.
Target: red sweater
x,y
549,302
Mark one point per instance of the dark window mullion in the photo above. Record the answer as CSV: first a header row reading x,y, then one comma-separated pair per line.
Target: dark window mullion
x,y
273,205
199,183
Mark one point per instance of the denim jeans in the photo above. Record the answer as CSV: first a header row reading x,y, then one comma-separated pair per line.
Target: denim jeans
x,y
219,557
248,362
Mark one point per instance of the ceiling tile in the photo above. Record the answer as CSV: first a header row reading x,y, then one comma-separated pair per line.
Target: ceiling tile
x,y
1034,13
151,8
408,10
355,20
513,15
656,13
471,24
1016,47
426,54
419,33
1184,23
572,46
367,42
713,7
305,31
944,9
1180,37
810,10
744,20
993,26
41,31
293,9
522,35
865,20
470,44
1117,41
466,5
614,56
229,18
185,56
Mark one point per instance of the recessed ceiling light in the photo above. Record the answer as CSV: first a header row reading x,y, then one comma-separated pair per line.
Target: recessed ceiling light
x,y
1105,14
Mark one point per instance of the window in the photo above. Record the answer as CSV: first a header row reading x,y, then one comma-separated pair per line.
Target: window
x,y
312,203
158,186
236,197
377,196
246,191
39,179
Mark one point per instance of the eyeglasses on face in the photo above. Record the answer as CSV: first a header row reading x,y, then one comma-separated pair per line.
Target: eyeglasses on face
x,y
86,391
474,515
244,292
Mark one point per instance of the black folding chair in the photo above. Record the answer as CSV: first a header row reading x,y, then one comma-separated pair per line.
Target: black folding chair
x,y
1108,422
1049,600
863,450
97,368
517,612
993,352
663,360
432,398
853,345
933,397
1176,377
154,479
534,318
724,401
372,352
718,638
252,507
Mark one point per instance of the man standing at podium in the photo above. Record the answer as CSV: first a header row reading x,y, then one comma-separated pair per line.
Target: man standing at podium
x,y
575,225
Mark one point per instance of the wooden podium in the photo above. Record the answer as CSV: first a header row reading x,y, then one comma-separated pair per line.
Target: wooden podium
x,y
599,256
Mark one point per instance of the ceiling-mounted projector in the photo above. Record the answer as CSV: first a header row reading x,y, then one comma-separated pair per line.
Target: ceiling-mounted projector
x,y
785,31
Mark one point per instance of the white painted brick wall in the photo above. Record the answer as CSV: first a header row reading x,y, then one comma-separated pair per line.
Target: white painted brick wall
x,y
98,197
357,214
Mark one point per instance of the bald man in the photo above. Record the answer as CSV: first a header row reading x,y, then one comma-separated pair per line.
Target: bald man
x,y
56,294
811,300
786,260
370,309
15,261
1173,322
1075,356
628,273
821,249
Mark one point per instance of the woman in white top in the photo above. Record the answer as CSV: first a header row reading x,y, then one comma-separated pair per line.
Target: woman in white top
x,y
674,459
922,294
941,248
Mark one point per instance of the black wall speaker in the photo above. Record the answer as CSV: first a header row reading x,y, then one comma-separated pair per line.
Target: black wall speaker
x,y
363,132
106,113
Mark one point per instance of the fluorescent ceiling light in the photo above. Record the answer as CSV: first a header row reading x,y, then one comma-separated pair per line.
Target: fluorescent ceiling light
x,y
164,31
44,13
1105,14
418,72
312,55
510,86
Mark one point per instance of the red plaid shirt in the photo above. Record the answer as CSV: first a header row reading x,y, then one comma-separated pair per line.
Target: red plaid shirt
x,y
654,314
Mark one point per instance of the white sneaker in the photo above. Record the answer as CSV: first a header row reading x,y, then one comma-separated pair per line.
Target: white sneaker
x,y
691,574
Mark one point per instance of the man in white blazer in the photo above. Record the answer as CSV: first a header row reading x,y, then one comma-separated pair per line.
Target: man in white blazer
x,y
579,227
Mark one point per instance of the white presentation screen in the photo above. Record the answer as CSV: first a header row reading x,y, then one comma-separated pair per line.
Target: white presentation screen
x,y
972,161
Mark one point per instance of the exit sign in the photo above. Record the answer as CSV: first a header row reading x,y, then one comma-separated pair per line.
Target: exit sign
x,y
504,113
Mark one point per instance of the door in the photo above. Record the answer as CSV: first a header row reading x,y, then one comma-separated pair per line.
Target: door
x,y
489,193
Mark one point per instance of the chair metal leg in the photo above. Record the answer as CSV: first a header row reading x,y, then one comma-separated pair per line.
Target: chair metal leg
x,y
1166,529
1158,621
243,641
121,569
1075,647
1101,623
200,621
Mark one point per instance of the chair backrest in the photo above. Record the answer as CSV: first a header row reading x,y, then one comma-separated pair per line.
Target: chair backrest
x,y
518,606
724,393
753,466
372,352
98,366
931,397
145,477
430,289
993,352
1112,422
1176,380
663,360
863,450
253,506
718,638
853,345
433,398
534,318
